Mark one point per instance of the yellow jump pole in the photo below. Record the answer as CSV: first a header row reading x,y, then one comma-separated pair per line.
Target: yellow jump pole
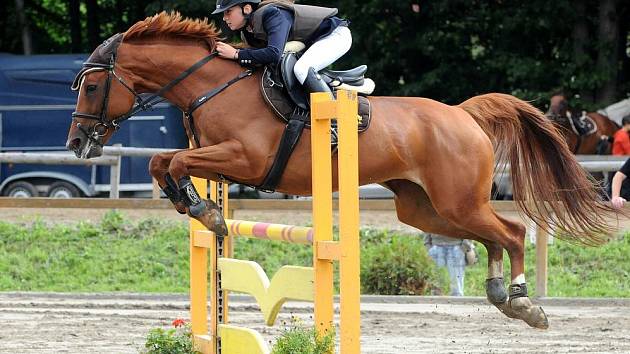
x,y
349,269
321,108
206,339
199,279
220,247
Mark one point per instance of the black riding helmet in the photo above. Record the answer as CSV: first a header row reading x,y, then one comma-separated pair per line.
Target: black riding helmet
x,y
223,5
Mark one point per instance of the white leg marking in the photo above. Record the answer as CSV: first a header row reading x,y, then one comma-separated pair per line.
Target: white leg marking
x,y
520,279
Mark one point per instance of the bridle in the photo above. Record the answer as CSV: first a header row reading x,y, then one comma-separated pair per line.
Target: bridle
x,y
102,126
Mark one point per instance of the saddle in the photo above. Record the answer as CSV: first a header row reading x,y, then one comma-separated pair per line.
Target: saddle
x,y
582,125
287,98
284,93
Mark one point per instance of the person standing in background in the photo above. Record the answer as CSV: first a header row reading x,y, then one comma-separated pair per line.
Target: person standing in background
x,y
621,140
621,147
451,253
620,192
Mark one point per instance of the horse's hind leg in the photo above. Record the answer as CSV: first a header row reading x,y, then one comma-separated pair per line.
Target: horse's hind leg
x,y
484,222
414,208
184,196
495,286
465,219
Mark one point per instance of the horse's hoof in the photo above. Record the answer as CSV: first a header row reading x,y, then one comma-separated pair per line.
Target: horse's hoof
x,y
532,315
505,308
210,216
217,223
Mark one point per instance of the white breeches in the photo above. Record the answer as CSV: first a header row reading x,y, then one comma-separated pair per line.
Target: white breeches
x,y
324,52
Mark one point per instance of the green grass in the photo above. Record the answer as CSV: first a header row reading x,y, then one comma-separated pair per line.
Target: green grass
x,y
151,255
115,255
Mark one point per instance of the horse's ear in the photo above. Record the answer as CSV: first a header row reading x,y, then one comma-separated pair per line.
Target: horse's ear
x,y
111,44
104,51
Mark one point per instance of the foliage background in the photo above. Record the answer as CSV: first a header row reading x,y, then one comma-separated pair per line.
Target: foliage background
x,y
447,50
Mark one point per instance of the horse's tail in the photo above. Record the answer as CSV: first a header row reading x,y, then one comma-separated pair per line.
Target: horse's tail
x,y
549,185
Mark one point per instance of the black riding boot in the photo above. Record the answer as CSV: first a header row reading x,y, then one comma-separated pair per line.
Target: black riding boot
x,y
315,83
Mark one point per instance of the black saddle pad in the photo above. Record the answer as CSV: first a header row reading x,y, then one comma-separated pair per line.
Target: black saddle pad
x,y
277,98
583,125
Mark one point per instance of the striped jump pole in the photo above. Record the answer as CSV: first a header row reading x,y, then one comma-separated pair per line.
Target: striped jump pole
x,y
267,231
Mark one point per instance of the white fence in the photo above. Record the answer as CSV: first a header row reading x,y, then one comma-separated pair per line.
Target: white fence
x,y
112,156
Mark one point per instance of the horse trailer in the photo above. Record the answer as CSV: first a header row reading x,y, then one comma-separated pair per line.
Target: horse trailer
x,y
36,104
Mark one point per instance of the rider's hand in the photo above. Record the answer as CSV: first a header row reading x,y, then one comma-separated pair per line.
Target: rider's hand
x,y
617,202
226,51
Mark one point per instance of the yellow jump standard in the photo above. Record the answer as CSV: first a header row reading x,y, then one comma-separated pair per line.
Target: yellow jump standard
x,y
290,282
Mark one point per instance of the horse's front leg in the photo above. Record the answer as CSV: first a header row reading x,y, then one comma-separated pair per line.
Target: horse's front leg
x,y
158,167
226,158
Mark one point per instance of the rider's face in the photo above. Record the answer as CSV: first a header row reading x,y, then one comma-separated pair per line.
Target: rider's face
x,y
234,18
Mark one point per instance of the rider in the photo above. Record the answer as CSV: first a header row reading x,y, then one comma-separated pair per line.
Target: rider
x,y
268,25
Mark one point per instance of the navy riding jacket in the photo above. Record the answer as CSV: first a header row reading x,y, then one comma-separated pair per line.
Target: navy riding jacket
x,y
277,23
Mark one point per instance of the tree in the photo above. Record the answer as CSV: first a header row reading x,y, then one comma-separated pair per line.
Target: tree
x,y
93,23
608,60
447,50
24,28
74,12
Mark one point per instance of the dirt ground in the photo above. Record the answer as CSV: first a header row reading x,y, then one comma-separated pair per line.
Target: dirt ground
x,y
93,323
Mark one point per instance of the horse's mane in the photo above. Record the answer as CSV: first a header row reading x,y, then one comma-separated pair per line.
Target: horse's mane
x,y
172,24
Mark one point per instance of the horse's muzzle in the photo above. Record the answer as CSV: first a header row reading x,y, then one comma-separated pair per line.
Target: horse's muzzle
x,y
84,148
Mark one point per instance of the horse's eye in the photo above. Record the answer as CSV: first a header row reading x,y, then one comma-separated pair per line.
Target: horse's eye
x,y
90,88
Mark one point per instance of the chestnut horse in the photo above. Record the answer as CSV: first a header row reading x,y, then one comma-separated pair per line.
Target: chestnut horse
x,y
437,159
597,143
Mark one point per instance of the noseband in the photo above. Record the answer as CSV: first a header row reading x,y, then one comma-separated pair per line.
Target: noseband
x,y
102,126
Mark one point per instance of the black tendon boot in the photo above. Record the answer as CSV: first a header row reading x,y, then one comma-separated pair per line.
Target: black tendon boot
x,y
315,83
172,192
206,211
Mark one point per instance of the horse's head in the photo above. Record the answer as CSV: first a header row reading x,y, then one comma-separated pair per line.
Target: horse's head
x,y
106,99
103,99
558,106
560,114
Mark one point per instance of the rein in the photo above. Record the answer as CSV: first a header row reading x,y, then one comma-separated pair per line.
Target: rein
x,y
102,126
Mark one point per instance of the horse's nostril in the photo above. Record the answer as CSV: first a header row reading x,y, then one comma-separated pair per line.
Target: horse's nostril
x,y
74,144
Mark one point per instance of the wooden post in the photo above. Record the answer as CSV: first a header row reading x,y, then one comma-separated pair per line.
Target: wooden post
x,y
541,262
198,275
322,208
349,268
220,248
114,177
